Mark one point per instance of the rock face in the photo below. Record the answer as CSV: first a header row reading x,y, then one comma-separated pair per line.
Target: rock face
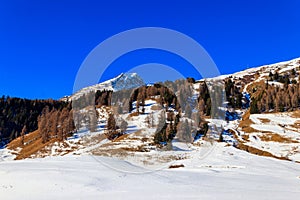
x,y
127,81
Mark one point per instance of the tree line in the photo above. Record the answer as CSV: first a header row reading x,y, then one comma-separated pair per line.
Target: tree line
x,y
56,123
17,113
275,98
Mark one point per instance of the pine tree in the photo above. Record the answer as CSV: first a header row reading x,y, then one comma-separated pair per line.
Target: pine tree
x,y
188,111
221,139
294,101
43,125
111,126
184,132
160,133
150,120
92,121
111,122
24,130
123,125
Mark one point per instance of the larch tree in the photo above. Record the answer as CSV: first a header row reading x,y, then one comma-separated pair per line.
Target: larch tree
x,y
23,133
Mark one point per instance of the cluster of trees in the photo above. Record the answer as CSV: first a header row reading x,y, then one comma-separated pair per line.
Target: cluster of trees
x,y
165,97
56,124
276,98
204,100
233,94
166,128
186,130
115,127
98,98
189,129
17,113
103,98
285,78
208,101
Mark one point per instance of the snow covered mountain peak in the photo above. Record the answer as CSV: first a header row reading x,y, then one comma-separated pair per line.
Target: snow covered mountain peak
x,y
121,82
127,81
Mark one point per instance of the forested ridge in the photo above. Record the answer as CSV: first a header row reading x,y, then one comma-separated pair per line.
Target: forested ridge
x,y
19,114
280,97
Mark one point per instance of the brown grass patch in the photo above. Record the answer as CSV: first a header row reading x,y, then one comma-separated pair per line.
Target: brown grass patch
x,y
249,129
138,133
122,137
245,137
296,125
133,114
156,107
296,114
246,122
259,152
263,120
29,138
273,137
246,115
254,150
33,144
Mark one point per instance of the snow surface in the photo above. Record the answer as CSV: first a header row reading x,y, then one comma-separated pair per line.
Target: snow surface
x,y
227,173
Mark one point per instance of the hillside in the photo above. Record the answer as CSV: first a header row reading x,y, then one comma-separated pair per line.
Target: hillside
x,y
269,134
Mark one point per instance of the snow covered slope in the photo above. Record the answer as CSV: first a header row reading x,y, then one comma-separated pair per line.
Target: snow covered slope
x,y
226,174
276,133
256,74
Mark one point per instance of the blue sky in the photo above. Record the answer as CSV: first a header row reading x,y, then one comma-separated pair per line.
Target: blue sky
x,y
43,43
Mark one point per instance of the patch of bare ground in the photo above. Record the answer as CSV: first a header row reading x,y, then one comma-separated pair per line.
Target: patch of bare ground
x,y
176,166
140,148
273,137
296,114
32,145
122,137
87,140
156,107
134,114
110,152
245,137
145,158
264,120
137,133
259,152
296,125
245,123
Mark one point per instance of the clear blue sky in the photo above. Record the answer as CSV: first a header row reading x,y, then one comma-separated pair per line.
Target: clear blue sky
x,y
44,42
